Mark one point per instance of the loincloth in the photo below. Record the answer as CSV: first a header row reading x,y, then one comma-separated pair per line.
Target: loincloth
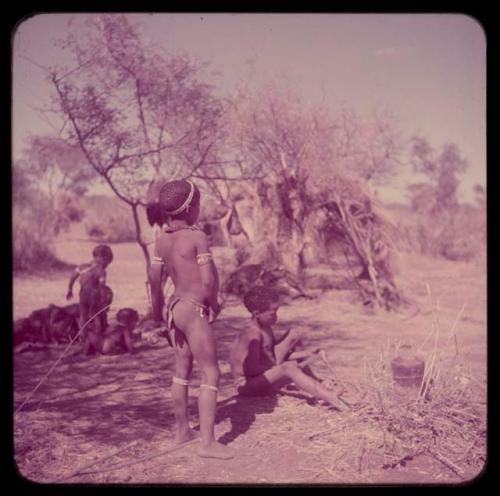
x,y
201,309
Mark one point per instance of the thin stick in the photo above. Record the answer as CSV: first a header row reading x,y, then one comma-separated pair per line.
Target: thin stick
x,y
379,396
59,359
88,465
362,452
148,291
432,331
335,375
452,333
427,376
155,454
308,360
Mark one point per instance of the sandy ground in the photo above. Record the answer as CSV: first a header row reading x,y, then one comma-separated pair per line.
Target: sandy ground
x,y
88,408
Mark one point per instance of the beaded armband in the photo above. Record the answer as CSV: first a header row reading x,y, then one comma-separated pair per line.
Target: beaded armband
x,y
204,258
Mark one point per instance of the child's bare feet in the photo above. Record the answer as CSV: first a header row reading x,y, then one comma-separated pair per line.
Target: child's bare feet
x,y
185,436
215,450
334,386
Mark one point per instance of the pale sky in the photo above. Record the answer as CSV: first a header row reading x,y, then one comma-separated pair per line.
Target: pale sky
x,y
429,70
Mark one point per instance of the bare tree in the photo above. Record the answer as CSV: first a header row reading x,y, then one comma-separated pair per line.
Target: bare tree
x,y
299,150
135,112
369,148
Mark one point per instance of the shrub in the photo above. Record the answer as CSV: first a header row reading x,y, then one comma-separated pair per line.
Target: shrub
x,y
108,220
31,252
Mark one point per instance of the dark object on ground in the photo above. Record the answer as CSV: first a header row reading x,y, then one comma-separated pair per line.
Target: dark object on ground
x,y
245,277
52,324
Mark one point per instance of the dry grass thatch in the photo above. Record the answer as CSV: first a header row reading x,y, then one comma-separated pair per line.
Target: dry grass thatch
x,y
355,217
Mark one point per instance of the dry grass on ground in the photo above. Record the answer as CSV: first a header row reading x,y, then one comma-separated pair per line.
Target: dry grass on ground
x,y
89,408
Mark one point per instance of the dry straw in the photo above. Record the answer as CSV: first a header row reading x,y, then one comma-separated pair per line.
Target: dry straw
x,y
445,418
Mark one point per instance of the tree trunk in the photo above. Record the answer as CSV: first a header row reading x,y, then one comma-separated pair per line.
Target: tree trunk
x,y
138,237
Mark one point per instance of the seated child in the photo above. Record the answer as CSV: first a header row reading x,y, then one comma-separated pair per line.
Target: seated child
x,y
261,364
117,338
93,289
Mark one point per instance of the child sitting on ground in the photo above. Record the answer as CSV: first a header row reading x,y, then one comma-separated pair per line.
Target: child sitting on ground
x,y
93,289
117,338
261,364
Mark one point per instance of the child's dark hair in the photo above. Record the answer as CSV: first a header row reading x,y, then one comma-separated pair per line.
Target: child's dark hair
x,y
260,298
154,214
127,316
177,196
103,251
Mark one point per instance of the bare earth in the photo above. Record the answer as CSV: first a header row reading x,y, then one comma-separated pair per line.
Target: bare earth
x,y
89,408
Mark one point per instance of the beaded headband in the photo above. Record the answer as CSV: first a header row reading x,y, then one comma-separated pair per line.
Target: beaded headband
x,y
185,205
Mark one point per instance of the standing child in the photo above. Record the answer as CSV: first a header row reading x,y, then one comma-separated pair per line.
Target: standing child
x,y
182,250
261,364
93,289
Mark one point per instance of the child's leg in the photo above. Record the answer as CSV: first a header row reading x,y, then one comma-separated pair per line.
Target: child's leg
x,y
92,341
110,341
289,371
201,341
286,345
94,307
82,318
179,391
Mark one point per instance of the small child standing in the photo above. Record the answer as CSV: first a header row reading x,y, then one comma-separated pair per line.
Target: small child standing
x,y
93,289
261,364
182,250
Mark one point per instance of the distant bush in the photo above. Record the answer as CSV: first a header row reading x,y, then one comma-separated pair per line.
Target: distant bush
x,y
464,236
31,251
108,220
455,235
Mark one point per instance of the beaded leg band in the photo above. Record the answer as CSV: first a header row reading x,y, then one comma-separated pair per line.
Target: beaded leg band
x,y
208,386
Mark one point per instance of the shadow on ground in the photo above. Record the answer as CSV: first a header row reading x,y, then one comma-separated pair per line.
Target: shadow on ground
x,y
119,398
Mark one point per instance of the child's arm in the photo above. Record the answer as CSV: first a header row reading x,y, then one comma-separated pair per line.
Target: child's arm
x,y
157,271
127,337
208,271
102,282
250,356
72,279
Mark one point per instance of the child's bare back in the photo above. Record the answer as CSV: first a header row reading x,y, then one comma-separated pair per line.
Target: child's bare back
x,y
179,249
182,251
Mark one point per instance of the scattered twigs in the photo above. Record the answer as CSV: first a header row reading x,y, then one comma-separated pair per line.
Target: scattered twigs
x,y
468,450
445,419
451,465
